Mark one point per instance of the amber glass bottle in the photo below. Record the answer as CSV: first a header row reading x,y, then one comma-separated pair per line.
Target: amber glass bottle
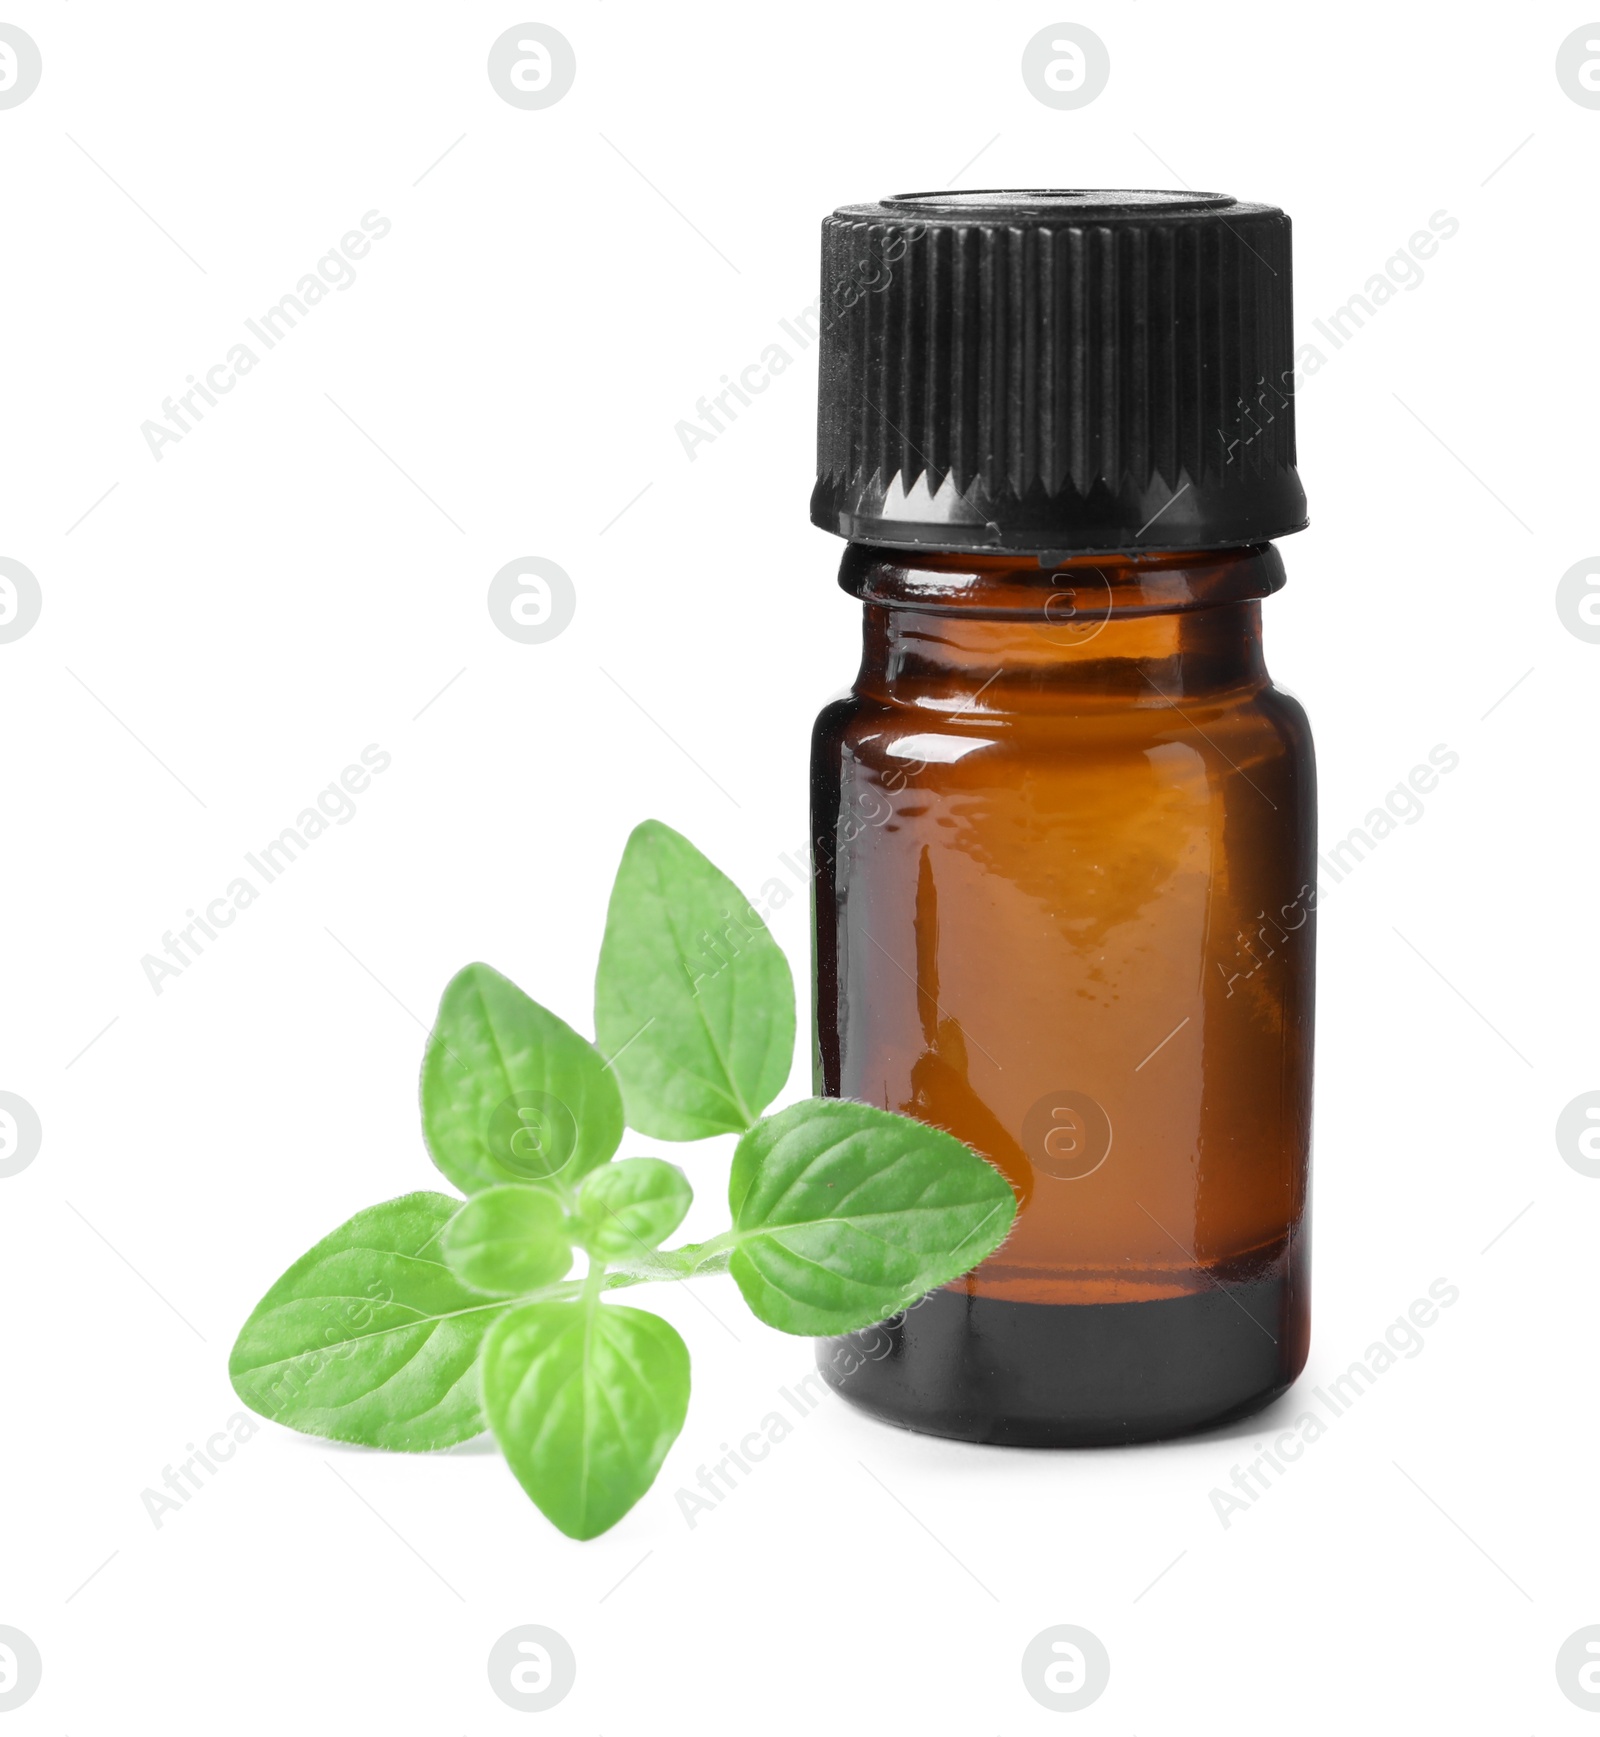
x,y
1063,822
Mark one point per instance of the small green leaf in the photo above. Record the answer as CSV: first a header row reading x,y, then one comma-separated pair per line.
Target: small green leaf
x,y
626,1208
585,1399
844,1214
370,1337
509,1240
510,1093
694,1001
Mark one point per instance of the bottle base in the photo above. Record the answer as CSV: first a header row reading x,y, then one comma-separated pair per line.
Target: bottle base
x,y
980,1369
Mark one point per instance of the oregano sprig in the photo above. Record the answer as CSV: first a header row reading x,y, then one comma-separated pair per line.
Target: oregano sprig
x,y
422,1321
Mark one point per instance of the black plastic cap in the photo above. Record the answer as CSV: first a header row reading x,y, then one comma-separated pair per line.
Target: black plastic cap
x,y
1057,371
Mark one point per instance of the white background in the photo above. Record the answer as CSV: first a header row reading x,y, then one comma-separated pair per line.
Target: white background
x,y
229,626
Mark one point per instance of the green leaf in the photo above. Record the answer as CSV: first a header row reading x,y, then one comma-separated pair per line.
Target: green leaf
x,y
628,1207
509,1240
585,1399
370,1337
844,1214
694,1001
510,1093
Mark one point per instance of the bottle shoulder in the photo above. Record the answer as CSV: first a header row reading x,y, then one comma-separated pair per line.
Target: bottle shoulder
x,y
1255,719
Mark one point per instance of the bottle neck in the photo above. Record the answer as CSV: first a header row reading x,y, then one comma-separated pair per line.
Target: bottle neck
x,y
999,633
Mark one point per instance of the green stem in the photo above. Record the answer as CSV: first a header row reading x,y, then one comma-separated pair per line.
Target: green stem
x,y
693,1260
